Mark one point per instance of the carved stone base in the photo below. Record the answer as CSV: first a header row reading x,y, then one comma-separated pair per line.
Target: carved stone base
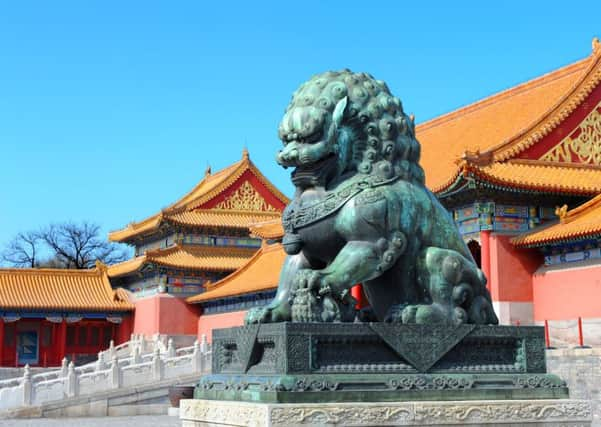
x,y
379,387
564,412
378,362
337,348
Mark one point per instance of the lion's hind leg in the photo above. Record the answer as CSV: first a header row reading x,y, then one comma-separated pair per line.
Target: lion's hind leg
x,y
454,288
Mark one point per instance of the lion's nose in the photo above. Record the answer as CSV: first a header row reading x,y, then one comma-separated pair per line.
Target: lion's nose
x,y
287,157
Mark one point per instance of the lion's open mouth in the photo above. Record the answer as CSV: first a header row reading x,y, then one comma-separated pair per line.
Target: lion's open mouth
x,y
314,174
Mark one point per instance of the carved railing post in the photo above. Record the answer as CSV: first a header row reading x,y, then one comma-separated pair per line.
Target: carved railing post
x,y
196,357
137,356
170,348
112,349
204,345
115,373
157,365
142,343
100,366
71,381
27,386
64,367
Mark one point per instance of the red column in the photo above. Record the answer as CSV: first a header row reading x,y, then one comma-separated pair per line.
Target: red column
x,y
62,341
485,255
357,293
124,330
1,341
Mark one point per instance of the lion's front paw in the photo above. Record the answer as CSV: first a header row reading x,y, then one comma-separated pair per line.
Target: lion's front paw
x,y
257,315
305,306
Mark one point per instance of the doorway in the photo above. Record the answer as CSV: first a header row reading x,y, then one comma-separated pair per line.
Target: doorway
x,y
27,348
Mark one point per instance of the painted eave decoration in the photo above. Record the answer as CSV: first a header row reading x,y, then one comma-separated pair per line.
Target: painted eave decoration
x,y
583,222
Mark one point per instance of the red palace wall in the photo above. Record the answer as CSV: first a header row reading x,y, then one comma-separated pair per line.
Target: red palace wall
x,y
206,323
564,293
165,314
511,270
510,279
82,339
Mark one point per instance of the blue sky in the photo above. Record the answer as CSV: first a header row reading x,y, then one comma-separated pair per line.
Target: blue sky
x,y
111,110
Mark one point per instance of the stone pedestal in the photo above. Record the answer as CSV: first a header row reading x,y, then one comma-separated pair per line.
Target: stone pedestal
x,y
550,412
379,374
378,362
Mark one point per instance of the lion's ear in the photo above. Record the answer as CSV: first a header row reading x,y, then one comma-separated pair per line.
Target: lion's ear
x,y
338,113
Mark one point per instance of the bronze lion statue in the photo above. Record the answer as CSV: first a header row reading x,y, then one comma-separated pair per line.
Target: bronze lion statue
x,y
362,214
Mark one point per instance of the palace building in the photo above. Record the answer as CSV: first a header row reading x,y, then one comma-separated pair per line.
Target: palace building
x,y
49,314
188,247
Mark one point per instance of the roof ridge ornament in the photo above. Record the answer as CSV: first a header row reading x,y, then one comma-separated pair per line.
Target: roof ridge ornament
x,y
208,171
245,155
596,45
476,157
101,267
562,213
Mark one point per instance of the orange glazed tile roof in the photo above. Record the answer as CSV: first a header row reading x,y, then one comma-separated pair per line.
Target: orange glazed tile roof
x,y
583,221
187,257
209,187
56,289
503,125
221,218
126,267
268,229
260,273
539,176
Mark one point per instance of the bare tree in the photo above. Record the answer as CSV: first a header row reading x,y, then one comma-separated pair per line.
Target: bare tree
x,y
24,250
65,245
79,245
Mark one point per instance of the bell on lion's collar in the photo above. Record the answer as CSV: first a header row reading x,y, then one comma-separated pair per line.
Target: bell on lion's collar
x,y
292,243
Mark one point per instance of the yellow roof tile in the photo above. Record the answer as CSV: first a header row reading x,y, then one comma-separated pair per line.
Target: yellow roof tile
x,y
215,258
221,218
539,176
126,267
260,273
54,289
583,221
187,257
503,125
209,187
272,229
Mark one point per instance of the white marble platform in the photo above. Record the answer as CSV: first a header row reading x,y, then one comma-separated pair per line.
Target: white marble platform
x,y
560,412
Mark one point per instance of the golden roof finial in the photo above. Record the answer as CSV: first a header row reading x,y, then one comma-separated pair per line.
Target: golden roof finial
x,y
245,153
208,170
101,267
562,213
596,44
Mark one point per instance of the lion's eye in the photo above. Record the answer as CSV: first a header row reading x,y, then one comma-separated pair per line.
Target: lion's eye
x,y
315,136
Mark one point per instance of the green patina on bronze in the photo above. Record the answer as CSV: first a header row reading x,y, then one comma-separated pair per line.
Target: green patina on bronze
x,y
342,362
361,214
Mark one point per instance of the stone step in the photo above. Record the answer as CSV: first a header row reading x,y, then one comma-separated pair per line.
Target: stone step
x,y
141,400
130,410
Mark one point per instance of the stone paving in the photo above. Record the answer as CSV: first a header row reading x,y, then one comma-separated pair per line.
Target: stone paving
x,y
137,421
